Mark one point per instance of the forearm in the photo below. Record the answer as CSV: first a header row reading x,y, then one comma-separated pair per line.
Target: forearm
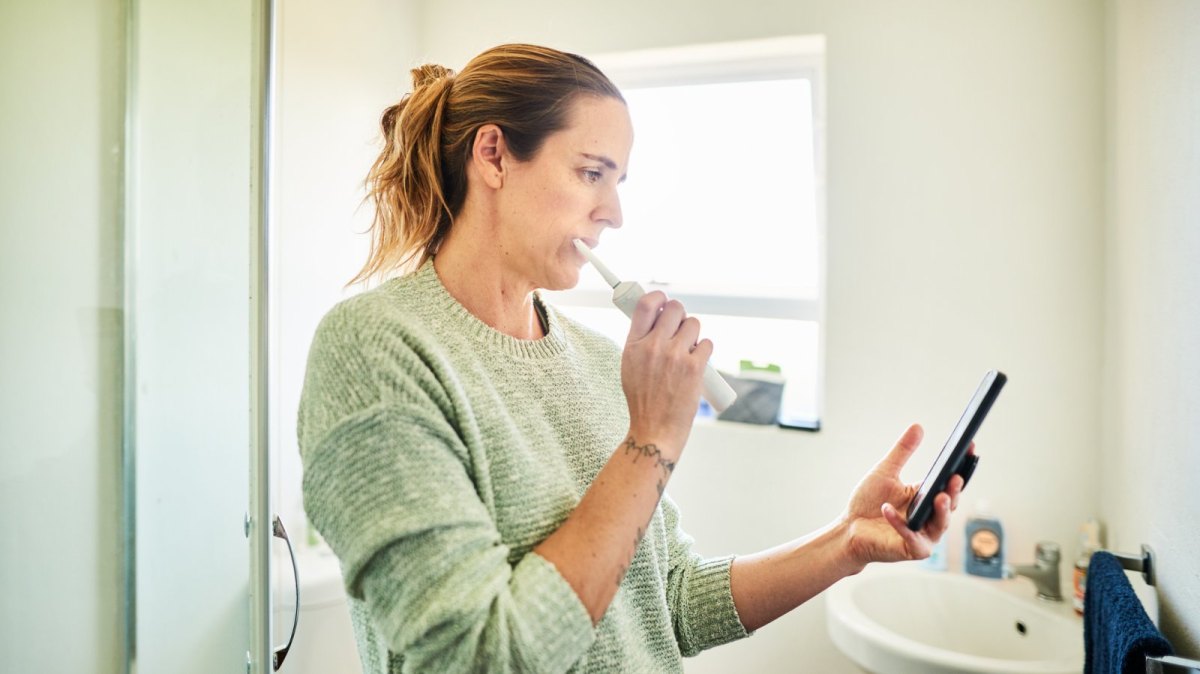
x,y
594,546
768,584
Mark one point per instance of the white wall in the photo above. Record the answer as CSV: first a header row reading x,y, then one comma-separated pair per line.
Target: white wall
x,y
336,72
1151,443
61,118
965,156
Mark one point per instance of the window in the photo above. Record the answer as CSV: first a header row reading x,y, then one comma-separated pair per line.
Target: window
x,y
723,207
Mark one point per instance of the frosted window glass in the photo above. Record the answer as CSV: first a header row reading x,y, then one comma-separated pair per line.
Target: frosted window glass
x,y
720,196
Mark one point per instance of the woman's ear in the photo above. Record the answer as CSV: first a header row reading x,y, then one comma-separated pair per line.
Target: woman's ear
x,y
488,154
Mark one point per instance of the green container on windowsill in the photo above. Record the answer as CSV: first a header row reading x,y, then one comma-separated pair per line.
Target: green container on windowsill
x,y
759,391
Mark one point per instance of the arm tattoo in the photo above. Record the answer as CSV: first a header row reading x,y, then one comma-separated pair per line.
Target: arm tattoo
x,y
641,533
665,466
653,453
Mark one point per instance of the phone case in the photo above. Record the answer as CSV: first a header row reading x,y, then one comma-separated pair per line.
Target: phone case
x,y
960,462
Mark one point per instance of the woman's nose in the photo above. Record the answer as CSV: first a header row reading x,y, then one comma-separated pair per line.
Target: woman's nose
x,y
610,211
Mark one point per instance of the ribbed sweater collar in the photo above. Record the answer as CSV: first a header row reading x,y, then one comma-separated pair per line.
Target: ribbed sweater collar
x,y
426,283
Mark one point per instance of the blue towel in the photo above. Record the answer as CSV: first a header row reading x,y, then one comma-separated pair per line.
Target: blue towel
x,y
1117,633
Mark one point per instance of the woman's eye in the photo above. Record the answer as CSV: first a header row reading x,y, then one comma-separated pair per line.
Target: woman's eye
x,y
592,175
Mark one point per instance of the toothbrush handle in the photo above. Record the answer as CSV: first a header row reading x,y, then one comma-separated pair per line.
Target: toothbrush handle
x,y
719,394
717,391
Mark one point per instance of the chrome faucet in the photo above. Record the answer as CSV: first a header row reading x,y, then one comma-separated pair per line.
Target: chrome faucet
x,y
1043,572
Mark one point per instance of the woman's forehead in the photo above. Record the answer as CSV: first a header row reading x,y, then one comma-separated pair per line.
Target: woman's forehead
x,y
599,128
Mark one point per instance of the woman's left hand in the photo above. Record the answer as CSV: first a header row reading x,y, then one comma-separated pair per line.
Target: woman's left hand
x,y
878,531
768,584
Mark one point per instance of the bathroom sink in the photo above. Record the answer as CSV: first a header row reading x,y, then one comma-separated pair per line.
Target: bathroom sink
x,y
908,620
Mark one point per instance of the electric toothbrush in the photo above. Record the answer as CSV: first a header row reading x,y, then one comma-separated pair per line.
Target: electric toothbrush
x,y
625,295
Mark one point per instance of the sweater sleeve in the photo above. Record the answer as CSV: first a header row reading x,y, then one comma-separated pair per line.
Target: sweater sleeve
x,y
387,483
698,592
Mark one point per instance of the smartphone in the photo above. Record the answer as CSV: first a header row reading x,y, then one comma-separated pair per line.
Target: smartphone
x,y
954,458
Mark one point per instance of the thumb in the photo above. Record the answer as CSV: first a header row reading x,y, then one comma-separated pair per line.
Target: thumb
x,y
900,454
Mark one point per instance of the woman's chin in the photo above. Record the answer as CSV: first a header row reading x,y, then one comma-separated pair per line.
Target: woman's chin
x,y
566,280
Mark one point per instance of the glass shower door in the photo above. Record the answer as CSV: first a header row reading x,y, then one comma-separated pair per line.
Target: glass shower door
x,y
193,225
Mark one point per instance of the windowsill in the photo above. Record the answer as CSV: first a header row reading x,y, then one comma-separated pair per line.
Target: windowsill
x,y
735,428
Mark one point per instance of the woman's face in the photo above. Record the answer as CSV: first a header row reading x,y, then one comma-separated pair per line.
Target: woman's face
x,y
567,191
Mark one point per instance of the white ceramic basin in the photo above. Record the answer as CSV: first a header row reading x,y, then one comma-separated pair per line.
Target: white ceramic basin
x,y
906,620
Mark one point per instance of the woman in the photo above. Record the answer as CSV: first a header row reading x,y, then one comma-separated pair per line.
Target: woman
x,y
490,473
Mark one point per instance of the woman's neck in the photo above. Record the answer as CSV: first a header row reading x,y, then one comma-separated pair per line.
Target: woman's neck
x,y
475,276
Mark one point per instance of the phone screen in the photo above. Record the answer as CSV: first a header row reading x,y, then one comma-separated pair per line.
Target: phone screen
x,y
949,461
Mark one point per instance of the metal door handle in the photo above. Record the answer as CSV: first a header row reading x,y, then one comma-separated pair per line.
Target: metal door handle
x,y
279,653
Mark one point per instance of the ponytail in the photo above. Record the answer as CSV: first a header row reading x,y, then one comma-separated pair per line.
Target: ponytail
x,y
411,212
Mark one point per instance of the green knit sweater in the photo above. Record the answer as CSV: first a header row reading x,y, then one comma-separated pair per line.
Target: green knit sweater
x,y
439,452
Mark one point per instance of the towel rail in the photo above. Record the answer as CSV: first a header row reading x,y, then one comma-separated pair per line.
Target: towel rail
x,y
1170,664
1143,563
1155,664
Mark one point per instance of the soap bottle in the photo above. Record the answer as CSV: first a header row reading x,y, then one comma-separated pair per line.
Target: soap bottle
x,y
984,555
1089,542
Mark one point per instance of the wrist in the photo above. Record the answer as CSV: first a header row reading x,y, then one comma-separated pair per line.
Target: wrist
x,y
849,556
648,459
644,439
768,584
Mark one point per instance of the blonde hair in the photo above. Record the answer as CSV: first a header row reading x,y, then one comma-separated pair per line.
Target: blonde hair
x,y
419,183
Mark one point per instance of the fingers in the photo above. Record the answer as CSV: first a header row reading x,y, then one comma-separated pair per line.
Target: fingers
x,y
688,333
645,314
670,319
703,350
954,489
903,450
913,542
919,544
656,314
939,522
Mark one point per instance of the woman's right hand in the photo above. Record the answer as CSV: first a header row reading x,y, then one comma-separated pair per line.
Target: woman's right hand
x,y
662,368
662,371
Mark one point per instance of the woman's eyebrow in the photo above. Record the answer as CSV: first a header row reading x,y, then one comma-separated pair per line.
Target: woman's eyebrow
x,y
612,165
